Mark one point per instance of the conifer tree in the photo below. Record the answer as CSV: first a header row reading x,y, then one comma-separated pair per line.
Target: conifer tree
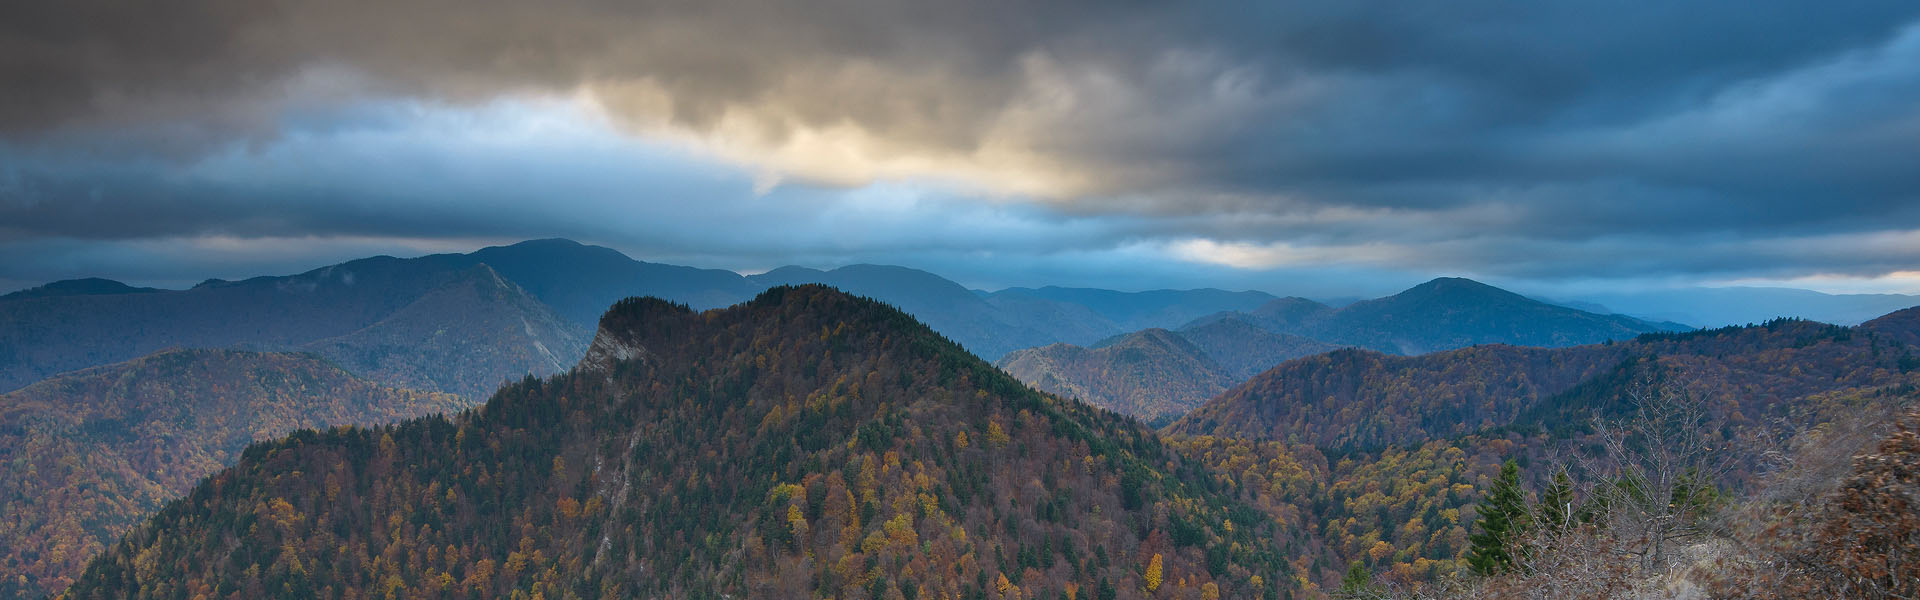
x,y
1556,510
1503,519
1356,581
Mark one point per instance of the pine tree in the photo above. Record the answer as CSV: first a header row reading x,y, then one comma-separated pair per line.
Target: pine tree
x,y
1503,519
1556,510
1357,580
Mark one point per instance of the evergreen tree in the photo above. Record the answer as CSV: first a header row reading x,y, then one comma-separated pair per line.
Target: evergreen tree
x,y
1503,519
1556,510
1357,580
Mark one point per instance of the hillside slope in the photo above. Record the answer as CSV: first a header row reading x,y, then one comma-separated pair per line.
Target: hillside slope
x,y
1151,374
1360,398
1243,350
1901,326
86,455
1157,374
466,337
832,447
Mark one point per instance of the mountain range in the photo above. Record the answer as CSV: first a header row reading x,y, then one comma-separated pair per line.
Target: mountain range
x,y
531,304
377,314
829,443
834,442
1157,374
1390,454
1360,398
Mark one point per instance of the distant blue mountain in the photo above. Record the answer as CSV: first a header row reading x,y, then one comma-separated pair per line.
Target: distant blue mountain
x,y
1718,307
1134,311
1444,314
91,286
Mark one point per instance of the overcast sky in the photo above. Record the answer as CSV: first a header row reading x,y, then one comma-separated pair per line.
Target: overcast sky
x,y
1321,147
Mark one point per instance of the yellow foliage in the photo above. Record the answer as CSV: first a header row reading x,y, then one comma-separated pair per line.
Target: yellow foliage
x,y
996,435
1153,574
1380,551
796,522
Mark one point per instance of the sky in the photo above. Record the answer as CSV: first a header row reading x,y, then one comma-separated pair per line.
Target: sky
x,y
1313,147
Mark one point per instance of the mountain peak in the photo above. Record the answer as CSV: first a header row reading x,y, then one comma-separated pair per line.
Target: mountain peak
x,y
547,242
88,286
1458,286
639,326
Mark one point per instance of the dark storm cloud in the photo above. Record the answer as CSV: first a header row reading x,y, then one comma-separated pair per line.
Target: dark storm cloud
x,y
1533,139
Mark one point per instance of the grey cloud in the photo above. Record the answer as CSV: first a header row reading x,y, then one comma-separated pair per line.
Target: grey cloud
x,y
1513,139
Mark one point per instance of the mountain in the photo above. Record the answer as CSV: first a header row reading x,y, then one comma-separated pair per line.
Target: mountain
x,y
1359,398
982,325
44,335
1155,374
1715,307
1243,350
580,281
91,286
86,455
1901,326
1388,456
1131,311
1444,314
76,324
1451,312
804,443
1151,374
466,337
341,310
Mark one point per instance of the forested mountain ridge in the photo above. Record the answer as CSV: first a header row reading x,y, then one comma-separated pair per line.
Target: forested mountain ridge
x,y
831,444
1902,326
1244,350
1155,374
86,455
1356,398
1151,374
1389,456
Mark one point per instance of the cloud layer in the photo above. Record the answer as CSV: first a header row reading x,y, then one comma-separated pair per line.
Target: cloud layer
x,y
1546,141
